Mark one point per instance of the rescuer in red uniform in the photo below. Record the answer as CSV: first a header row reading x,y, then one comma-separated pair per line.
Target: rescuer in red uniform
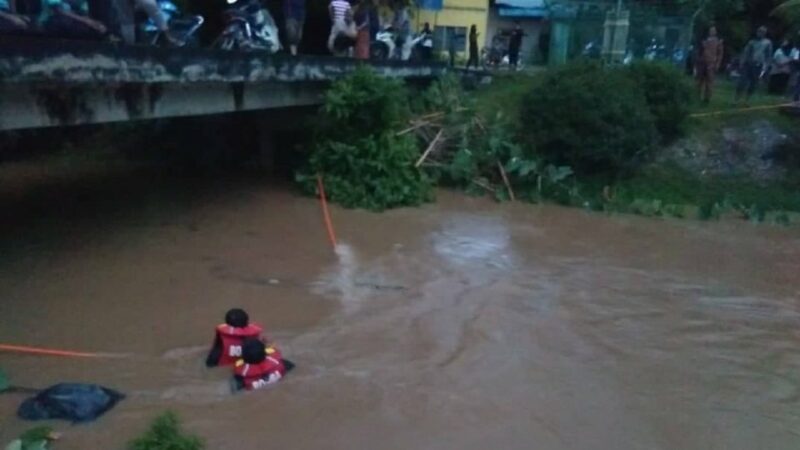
x,y
227,347
259,367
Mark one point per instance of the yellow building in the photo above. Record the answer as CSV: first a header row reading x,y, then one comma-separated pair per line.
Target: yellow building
x,y
455,17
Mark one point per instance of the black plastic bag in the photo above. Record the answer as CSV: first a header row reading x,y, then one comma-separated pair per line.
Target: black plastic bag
x,y
70,401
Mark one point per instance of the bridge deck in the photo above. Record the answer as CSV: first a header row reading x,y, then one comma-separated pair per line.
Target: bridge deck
x,y
55,83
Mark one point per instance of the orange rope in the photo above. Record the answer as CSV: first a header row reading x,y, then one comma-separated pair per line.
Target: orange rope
x,y
326,215
47,351
730,111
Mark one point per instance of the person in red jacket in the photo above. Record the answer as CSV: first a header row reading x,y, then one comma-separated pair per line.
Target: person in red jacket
x,y
227,347
259,367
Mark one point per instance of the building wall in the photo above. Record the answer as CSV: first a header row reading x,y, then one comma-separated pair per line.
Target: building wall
x,y
531,27
457,13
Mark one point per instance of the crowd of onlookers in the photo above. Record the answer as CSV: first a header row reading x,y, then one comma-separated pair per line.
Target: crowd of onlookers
x,y
759,60
355,24
358,28
81,18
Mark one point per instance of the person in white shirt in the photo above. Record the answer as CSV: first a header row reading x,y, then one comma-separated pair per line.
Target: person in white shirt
x,y
341,22
780,69
794,56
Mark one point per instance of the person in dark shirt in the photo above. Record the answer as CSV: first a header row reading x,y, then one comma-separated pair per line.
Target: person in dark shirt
x,y
427,42
514,44
473,47
754,63
294,12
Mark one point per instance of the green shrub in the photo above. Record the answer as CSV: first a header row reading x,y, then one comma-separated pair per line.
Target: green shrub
x,y
165,434
375,173
363,162
668,94
592,119
362,104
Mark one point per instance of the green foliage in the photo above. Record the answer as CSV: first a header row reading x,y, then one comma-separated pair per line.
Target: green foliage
x,y
37,438
364,163
592,119
165,434
668,95
375,173
788,10
361,104
444,95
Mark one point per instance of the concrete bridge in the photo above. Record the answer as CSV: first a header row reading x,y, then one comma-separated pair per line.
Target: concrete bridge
x,y
46,83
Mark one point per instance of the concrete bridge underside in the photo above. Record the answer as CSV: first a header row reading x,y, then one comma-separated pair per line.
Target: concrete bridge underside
x,y
46,83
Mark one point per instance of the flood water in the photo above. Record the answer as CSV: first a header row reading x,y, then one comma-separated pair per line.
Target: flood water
x,y
464,324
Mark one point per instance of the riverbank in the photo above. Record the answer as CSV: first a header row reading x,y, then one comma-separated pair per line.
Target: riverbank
x,y
731,162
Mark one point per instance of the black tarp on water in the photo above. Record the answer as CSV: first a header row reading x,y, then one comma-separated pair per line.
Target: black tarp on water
x,y
70,401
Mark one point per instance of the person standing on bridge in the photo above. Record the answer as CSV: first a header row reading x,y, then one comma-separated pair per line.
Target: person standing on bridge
x,y
341,22
361,17
154,12
294,13
514,44
473,47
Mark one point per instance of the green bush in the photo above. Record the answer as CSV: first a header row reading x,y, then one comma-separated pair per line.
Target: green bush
x,y
668,94
165,434
363,162
592,119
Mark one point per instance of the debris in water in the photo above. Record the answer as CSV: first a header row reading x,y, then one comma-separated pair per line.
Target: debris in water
x,y
70,401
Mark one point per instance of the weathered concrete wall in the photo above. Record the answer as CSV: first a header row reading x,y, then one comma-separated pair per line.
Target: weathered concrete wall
x,y
44,105
39,60
56,83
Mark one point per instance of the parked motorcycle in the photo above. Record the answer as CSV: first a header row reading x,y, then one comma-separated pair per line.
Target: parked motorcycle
x,y
494,54
385,46
182,27
248,26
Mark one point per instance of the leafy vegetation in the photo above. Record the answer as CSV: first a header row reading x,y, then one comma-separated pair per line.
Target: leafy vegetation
x,y
364,162
668,94
165,434
579,135
37,438
590,118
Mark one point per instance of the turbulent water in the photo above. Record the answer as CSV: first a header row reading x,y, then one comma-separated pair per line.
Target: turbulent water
x,y
464,324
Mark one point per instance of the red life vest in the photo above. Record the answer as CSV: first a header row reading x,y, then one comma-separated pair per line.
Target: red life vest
x,y
232,338
257,376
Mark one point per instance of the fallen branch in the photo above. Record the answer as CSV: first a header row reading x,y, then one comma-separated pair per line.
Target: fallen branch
x,y
505,181
484,185
430,148
479,123
419,124
430,116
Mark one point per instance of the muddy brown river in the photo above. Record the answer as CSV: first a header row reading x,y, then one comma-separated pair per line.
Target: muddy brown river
x,y
464,324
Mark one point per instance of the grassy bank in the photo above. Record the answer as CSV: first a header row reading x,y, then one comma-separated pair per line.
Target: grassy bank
x,y
666,189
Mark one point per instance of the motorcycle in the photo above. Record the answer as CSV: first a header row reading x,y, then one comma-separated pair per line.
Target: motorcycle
x,y
182,28
494,54
248,26
655,52
385,46
591,51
